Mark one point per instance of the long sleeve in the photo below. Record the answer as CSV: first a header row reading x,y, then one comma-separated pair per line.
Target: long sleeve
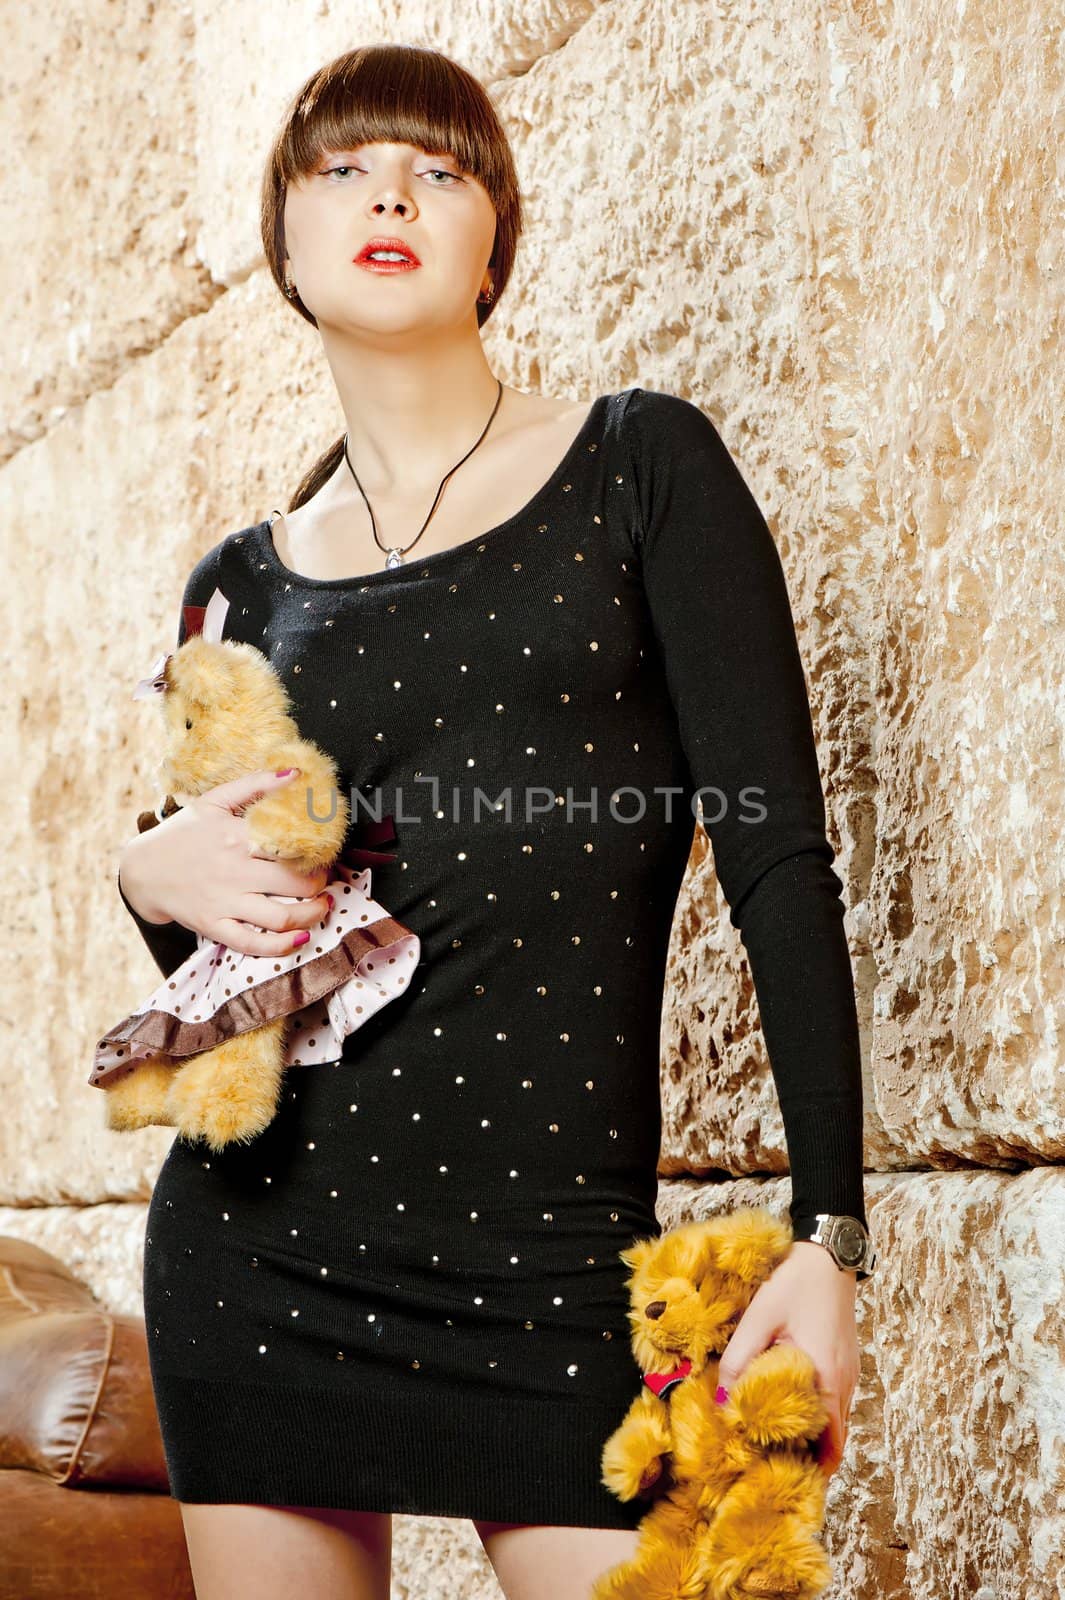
x,y
171,943
720,611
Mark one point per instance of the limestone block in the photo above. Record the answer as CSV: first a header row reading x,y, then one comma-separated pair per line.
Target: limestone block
x,y
100,214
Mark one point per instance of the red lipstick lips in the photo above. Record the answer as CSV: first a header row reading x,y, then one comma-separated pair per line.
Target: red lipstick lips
x,y
387,264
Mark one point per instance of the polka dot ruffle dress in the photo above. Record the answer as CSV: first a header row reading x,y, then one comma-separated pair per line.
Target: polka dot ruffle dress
x,y
358,959
406,1294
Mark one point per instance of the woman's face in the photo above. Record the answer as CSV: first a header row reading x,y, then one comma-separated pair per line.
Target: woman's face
x,y
444,214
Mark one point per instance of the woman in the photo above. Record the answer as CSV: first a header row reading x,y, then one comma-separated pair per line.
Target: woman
x,y
407,1295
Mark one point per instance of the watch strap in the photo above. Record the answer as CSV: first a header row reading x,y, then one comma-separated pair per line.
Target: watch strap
x,y
822,1228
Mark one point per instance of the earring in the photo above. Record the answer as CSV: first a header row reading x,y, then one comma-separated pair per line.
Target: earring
x,y
291,290
487,296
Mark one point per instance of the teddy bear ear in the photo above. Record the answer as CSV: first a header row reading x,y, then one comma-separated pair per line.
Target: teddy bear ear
x,y
637,1253
752,1241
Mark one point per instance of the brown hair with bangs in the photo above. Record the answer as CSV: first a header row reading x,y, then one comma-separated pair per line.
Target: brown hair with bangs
x,y
399,94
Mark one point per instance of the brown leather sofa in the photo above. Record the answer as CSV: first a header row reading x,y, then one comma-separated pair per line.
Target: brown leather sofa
x,y
85,1505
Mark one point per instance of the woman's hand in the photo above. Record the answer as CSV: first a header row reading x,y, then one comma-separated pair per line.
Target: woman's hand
x,y
198,868
806,1301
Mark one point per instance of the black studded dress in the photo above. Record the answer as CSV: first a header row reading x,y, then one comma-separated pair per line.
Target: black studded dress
x,y
406,1294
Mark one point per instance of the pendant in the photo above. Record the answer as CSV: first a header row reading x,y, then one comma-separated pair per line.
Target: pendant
x,y
394,559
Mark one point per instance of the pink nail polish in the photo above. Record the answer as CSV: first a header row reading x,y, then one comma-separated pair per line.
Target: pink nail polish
x,y
329,897
301,937
721,1396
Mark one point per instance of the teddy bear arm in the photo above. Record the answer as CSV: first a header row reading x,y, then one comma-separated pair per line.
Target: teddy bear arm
x,y
305,822
635,1457
777,1397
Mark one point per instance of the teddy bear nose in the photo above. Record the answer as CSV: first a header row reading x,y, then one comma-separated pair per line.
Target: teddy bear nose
x,y
655,1309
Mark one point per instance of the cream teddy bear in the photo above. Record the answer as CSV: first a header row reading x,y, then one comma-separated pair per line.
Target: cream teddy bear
x,y
206,1051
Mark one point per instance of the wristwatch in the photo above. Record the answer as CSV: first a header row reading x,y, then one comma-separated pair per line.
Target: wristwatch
x,y
846,1240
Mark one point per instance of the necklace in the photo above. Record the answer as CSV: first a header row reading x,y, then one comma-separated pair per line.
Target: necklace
x,y
395,556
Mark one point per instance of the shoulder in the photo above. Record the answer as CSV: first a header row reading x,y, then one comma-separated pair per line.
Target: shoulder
x,y
677,457
231,561
667,436
655,417
232,566
666,429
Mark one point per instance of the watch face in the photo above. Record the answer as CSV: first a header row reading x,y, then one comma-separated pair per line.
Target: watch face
x,y
850,1241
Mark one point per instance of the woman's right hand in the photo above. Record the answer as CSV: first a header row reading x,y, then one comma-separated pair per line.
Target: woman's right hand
x,y
198,868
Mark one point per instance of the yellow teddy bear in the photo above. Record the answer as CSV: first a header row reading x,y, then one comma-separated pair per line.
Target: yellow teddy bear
x,y
738,1498
205,1053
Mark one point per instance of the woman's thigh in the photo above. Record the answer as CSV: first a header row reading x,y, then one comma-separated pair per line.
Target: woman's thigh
x,y
240,1552
535,1561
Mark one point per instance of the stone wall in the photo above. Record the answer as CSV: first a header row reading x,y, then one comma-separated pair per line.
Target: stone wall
x,y
838,229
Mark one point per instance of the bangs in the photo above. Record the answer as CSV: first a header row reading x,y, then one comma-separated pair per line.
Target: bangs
x,y
394,96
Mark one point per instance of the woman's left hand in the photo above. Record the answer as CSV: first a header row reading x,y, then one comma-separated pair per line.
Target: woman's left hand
x,y
808,1301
